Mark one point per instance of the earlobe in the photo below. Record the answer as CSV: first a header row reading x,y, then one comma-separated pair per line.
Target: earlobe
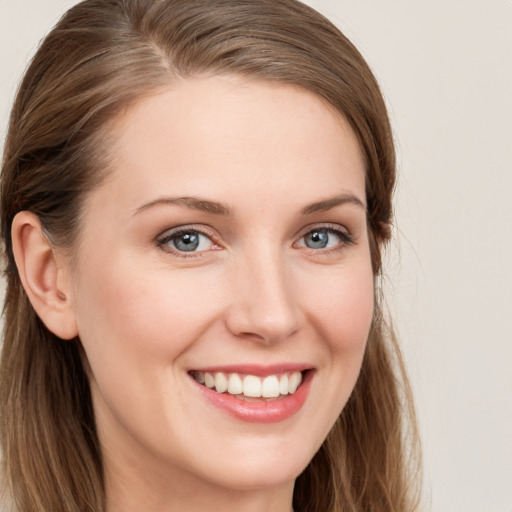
x,y
43,275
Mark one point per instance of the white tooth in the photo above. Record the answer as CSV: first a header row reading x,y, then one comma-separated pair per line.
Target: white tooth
x,y
209,380
252,386
283,385
270,387
200,377
293,382
235,386
221,382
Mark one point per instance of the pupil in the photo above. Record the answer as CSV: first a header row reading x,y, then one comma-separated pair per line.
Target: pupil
x,y
187,242
317,240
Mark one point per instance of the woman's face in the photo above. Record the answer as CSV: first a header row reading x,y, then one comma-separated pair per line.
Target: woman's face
x,y
229,248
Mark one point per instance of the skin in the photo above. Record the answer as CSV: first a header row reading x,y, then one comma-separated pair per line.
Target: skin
x,y
254,293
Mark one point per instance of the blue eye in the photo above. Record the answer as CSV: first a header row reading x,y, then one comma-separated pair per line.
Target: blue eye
x,y
324,238
318,239
186,241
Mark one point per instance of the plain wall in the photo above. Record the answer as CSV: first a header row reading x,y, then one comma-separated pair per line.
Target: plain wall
x,y
446,70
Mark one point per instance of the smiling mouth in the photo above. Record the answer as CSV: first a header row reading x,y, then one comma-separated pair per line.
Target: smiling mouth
x,y
250,388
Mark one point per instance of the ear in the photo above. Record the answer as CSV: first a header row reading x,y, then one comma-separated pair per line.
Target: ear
x,y
44,274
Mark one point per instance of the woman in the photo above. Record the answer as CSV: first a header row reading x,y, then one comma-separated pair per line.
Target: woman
x,y
195,196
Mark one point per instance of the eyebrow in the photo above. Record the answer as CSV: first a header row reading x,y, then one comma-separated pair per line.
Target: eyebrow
x,y
194,203
331,202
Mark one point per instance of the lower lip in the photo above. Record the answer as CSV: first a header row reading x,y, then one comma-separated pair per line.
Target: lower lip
x,y
260,412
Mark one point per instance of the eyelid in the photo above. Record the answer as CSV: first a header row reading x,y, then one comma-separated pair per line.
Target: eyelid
x,y
170,233
346,237
328,226
162,239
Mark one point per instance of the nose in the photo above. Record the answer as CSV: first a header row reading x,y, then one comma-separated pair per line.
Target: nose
x,y
263,305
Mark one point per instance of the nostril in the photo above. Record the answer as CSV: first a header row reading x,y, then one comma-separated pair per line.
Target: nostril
x,y
263,306
250,325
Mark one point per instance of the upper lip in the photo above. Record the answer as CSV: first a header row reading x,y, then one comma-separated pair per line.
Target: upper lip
x,y
257,370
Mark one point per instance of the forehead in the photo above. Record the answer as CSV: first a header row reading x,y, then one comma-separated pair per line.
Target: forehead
x,y
230,136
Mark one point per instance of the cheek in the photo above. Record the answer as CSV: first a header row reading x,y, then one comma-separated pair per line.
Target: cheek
x,y
343,310
137,311
134,326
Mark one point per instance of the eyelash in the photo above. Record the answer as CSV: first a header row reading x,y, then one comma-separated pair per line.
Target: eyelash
x,y
332,229
169,236
345,239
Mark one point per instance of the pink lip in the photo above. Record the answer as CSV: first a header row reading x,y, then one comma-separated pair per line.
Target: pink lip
x,y
259,412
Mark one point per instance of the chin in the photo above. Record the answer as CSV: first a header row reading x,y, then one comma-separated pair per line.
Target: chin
x,y
262,468
259,478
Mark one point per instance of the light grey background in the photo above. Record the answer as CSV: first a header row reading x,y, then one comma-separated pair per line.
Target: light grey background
x,y
446,70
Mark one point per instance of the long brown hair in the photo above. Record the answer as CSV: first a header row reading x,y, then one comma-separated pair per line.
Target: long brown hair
x,y
101,57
